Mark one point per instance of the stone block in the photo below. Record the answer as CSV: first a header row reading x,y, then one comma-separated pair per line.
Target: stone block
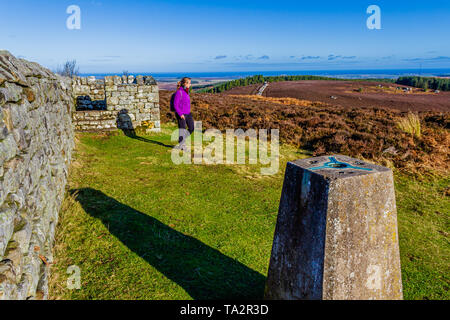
x,y
91,80
146,88
149,80
6,229
155,115
117,80
110,88
131,88
153,97
109,81
112,100
336,235
11,93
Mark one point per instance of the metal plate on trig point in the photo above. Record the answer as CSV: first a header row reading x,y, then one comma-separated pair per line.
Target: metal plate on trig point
x,y
338,166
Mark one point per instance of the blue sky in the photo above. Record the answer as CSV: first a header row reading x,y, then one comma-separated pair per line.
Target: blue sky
x,y
228,35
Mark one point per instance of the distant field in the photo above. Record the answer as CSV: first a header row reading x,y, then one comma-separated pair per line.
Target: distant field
x,y
353,94
171,84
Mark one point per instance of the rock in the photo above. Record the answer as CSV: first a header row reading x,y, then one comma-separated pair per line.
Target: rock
x,y
10,69
10,93
391,150
109,81
149,80
91,80
6,229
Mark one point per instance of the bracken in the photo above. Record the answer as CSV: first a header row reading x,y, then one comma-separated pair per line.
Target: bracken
x,y
324,129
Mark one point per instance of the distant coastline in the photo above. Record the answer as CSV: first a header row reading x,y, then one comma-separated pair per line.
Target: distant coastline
x,y
167,80
356,74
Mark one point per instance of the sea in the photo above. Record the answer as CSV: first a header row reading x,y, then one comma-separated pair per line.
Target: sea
x,y
344,74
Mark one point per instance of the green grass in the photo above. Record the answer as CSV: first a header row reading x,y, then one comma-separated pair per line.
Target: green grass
x,y
140,227
423,217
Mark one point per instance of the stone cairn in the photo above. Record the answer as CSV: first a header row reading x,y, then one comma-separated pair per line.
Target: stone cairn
x,y
36,142
336,234
116,103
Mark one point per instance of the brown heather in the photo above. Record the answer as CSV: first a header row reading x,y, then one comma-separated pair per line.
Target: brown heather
x,y
367,133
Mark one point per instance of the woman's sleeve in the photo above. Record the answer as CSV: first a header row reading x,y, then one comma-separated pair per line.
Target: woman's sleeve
x,y
177,102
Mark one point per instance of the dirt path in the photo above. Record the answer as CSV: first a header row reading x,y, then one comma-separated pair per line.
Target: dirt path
x,y
261,90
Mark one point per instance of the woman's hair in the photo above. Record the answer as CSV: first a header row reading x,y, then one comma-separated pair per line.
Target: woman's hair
x,y
182,82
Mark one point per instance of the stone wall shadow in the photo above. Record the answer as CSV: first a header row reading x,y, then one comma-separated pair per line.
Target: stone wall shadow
x,y
125,124
202,271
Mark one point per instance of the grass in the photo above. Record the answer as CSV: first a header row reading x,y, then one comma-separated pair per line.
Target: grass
x,y
411,125
424,226
140,227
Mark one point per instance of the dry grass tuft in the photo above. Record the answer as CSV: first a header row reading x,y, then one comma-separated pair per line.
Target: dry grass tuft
x,y
410,124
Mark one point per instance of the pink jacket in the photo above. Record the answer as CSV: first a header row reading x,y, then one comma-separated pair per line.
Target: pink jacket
x,y
182,102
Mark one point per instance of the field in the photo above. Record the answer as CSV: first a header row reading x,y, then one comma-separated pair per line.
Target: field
x,y
140,227
368,133
171,84
353,94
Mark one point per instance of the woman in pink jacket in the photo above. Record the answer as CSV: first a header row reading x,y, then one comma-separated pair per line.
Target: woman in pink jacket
x,y
182,108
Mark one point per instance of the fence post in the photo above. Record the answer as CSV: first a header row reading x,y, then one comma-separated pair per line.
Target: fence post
x,y
336,235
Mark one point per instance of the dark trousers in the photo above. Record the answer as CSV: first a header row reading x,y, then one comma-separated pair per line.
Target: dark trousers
x,y
189,122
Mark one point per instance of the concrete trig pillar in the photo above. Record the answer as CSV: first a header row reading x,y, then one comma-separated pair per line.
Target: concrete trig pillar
x,y
336,235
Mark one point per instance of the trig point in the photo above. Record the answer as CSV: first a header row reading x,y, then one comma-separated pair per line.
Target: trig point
x,y
336,236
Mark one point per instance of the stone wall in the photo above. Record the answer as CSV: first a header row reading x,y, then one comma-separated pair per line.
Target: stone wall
x,y
129,103
36,142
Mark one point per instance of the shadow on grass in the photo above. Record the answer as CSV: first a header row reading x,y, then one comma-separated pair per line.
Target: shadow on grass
x,y
132,134
202,271
125,123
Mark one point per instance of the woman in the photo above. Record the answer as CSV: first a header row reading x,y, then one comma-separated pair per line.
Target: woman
x,y
182,107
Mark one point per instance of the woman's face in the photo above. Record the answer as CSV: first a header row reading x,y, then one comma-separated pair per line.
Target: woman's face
x,y
188,84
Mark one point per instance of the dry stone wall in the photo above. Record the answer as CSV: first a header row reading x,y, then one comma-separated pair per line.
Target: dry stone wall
x,y
116,103
36,142
38,118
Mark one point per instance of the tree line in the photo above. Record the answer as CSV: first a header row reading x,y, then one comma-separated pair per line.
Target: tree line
x,y
425,83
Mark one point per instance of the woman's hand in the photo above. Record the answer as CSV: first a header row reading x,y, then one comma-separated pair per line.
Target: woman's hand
x,y
182,117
